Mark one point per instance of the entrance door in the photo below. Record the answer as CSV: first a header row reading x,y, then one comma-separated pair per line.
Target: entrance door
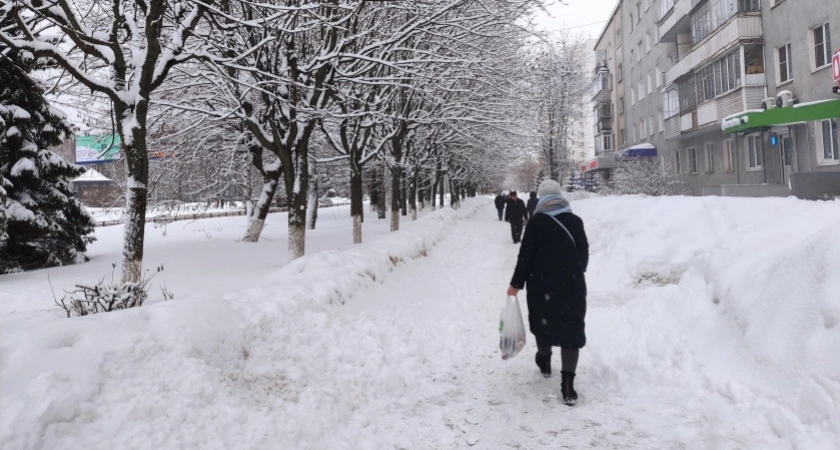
x,y
787,155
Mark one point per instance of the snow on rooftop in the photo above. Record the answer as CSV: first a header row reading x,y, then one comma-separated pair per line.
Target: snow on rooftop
x,y
91,176
642,146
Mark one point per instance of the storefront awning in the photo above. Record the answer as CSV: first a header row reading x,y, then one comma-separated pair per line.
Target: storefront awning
x,y
636,151
598,163
754,120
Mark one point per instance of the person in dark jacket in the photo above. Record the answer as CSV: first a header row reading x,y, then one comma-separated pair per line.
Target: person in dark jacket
x,y
552,262
500,204
532,205
515,213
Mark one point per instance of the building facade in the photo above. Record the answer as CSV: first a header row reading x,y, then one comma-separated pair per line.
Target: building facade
x,y
690,65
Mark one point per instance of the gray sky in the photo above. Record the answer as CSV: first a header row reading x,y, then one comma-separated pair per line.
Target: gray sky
x,y
577,15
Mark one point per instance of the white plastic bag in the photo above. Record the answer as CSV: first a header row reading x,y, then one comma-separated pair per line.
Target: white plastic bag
x,y
511,329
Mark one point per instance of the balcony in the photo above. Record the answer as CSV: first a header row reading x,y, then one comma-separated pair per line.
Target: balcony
x,y
602,125
738,28
601,86
676,20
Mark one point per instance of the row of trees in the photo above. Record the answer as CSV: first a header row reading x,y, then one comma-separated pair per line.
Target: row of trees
x,y
437,94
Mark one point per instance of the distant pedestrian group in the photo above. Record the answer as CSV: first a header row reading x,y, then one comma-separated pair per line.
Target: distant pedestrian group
x,y
552,263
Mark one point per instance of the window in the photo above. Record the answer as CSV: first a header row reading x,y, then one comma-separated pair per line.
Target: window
x,y
650,83
641,90
620,74
718,77
785,69
621,105
631,22
688,94
639,51
822,46
647,42
622,136
728,156
651,126
638,12
754,156
634,133
647,4
671,102
827,140
710,157
664,7
692,159
658,75
607,141
632,95
678,162
661,121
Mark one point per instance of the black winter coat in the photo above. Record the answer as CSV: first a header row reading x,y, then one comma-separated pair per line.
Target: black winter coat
x,y
532,205
553,268
499,201
515,211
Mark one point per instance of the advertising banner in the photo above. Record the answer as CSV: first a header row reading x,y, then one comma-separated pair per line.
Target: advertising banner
x,y
97,149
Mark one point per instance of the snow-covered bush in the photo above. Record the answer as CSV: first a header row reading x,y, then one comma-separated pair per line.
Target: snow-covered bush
x,y
111,296
645,176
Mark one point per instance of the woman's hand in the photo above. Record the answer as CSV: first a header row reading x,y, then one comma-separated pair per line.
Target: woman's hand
x,y
512,291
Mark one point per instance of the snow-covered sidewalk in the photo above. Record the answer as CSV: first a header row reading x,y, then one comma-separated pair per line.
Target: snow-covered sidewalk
x,y
711,324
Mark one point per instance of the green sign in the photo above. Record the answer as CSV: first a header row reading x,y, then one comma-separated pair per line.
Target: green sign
x,y
95,149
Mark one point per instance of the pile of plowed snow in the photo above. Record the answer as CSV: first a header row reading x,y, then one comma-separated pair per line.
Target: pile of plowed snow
x,y
744,293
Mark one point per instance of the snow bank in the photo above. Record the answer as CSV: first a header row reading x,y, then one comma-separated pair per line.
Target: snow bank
x,y
217,371
741,294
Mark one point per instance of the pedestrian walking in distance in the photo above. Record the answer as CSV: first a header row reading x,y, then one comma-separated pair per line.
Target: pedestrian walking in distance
x,y
515,214
532,204
500,205
552,262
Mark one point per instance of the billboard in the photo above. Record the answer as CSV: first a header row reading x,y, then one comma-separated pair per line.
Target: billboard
x,y
97,149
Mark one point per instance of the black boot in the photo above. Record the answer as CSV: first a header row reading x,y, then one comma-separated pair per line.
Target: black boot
x,y
568,387
544,363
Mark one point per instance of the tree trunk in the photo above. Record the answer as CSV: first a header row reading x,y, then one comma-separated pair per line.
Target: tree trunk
x,y
403,194
259,212
136,194
297,187
357,199
381,204
442,189
396,178
412,195
312,200
433,196
374,189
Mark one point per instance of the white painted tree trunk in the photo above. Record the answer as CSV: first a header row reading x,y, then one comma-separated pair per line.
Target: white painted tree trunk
x,y
255,227
297,240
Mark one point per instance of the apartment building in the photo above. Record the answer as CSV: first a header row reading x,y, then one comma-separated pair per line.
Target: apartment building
x,y
686,68
606,96
798,134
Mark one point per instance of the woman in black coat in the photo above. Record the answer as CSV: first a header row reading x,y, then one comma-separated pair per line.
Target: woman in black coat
x,y
552,262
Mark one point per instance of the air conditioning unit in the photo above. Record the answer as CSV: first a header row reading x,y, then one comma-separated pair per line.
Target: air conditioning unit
x,y
768,103
785,98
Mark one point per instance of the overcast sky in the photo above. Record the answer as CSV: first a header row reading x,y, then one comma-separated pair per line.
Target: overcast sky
x,y
579,16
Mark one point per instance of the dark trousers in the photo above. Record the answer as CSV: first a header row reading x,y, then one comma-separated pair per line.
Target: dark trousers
x,y
501,212
568,356
516,231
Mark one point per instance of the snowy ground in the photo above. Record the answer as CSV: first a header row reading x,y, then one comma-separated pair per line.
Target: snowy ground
x,y
712,323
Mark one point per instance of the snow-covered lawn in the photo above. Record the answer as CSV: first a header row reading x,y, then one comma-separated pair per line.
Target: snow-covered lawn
x,y
712,323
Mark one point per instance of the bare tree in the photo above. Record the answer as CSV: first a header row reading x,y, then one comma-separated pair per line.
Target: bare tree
x,y
123,50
